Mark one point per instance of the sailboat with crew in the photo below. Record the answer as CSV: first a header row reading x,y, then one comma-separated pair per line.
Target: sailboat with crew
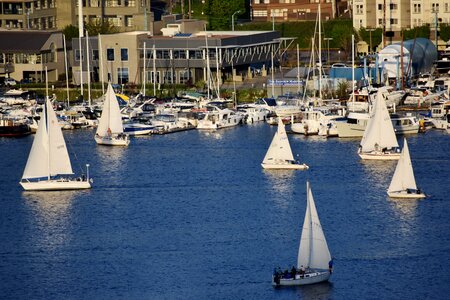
x,y
110,127
48,164
314,262
279,155
379,141
403,183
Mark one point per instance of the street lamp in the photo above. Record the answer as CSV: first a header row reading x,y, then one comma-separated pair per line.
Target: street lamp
x,y
232,19
328,47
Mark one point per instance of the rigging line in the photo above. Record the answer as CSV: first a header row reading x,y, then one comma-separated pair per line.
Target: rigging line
x,y
74,155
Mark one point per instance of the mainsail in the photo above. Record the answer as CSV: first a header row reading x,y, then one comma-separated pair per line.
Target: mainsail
x,y
313,250
280,149
111,119
379,131
48,155
404,175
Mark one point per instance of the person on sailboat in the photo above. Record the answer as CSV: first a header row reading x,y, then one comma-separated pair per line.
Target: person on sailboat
x,y
330,265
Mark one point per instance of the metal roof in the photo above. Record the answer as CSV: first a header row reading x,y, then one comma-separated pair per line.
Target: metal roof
x,y
23,41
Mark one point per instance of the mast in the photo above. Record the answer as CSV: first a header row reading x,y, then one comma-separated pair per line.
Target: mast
x,y
80,36
353,71
154,71
67,71
88,69
217,73
46,121
298,70
208,71
101,62
144,68
272,74
308,209
320,56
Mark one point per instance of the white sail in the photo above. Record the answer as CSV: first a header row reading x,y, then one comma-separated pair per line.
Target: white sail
x,y
404,175
313,250
48,155
379,130
111,119
279,149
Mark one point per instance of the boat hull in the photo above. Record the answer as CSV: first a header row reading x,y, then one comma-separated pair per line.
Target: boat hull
x,y
285,166
375,155
405,195
309,278
112,141
55,185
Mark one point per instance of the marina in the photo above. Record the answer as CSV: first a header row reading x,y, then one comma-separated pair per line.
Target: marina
x,y
197,208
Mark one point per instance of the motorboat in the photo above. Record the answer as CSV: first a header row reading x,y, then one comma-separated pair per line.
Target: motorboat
x,y
216,118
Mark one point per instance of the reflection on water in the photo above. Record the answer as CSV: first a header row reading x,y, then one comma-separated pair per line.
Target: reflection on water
x,y
282,184
379,172
405,208
110,157
52,214
316,291
211,134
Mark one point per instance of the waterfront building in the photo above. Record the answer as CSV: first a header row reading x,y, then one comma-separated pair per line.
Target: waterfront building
x,y
25,54
296,10
179,56
127,15
395,15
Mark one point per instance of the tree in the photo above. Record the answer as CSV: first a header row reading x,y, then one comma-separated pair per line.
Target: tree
x,y
444,32
219,12
367,34
416,32
70,32
98,27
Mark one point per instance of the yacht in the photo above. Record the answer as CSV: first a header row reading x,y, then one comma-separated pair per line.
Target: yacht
x,y
216,118
318,120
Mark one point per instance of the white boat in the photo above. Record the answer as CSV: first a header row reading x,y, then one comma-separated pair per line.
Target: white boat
x,y
279,155
110,127
48,166
134,128
216,118
314,263
253,114
403,184
316,119
379,141
355,124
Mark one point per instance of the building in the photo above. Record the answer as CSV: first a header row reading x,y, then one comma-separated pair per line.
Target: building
x,y
178,58
126,15
295,10
26,54
399,14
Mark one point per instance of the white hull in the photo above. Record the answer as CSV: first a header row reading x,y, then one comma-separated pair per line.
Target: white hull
x,y
285,166
406,195
55,185
377,155
309,278
112,140
346,130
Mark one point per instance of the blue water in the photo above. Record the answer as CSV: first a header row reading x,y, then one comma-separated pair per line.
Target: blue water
x,y
192,215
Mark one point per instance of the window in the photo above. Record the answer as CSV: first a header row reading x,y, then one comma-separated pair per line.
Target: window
x,y
380,21
380,6
124,54
110,54
359,9
417,8
446,7
122,75
94,54
392,6
184,76
77,55
129,21
435,7
394,21
260,13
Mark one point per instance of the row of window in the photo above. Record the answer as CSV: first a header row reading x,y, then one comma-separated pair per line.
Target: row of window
x,y
168,76
111,3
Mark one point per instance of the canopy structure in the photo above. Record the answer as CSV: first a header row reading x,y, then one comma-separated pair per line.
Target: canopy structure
x,y
421,52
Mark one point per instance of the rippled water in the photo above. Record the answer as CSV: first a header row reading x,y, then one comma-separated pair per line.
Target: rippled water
x,y
193,216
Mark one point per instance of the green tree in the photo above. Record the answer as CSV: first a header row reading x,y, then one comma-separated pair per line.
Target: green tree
x,y
70,32
444,32
98,27
367,34
416,32
219,12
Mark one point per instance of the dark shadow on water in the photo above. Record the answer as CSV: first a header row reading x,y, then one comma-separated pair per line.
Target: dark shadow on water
x,y
318,291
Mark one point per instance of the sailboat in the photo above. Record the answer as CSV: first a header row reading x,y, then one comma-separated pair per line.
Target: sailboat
x,y
379,141
279,155
403,184
49,160
314,263
110,127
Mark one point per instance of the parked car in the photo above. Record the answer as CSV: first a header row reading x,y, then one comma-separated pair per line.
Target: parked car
x,y
10,82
